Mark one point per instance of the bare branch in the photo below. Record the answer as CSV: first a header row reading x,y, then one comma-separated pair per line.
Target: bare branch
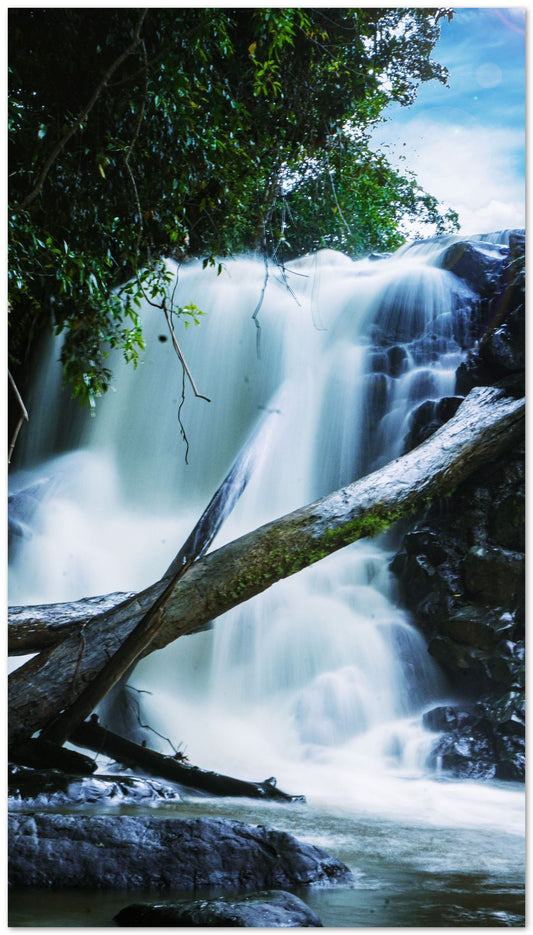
x,y
178,350
24,417
258,307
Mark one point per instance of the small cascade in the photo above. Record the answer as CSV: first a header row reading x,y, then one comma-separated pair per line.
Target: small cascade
x,y
324,674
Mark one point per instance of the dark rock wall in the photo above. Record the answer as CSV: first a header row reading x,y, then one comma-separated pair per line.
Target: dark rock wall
x,y
461,566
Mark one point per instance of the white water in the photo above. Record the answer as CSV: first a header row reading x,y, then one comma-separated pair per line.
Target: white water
x,y
322,680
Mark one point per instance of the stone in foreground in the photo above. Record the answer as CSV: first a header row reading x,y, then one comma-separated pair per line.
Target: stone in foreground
x,y
267,909
127,852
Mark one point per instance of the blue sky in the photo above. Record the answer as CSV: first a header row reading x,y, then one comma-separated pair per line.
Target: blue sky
x,y
466,142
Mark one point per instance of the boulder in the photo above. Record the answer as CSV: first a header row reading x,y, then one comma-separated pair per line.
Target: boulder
x,y
267,909
129,852
397,360
427,418
482,741
499,359
478,263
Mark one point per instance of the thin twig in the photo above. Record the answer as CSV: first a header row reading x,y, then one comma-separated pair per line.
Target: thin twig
x,y
258,307
180,421
128,156
179,352
142,691
24,417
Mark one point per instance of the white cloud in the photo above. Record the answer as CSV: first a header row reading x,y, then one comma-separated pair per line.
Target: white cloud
x,y
473,169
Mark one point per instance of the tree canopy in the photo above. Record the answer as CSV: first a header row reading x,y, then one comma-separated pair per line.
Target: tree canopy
x,y
194,132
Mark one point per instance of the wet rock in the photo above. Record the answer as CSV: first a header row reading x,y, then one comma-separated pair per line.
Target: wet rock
x,y
425,540
478,264
466,666
503,346
494,573
445,718
30,789
504,349
499,359
461,571
397,359
22,508
468,756
473,372
473,625
483,741
427,418
447,406
127,852
267,909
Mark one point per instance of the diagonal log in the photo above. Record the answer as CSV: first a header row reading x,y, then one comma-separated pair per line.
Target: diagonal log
x,y
151,623
41,626
485,425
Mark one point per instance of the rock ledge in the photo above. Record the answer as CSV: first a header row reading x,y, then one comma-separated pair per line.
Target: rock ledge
x,y
127,852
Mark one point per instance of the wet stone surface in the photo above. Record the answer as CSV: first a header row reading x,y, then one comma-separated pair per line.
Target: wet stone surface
x,y
267,909
130,852
53,789
461,567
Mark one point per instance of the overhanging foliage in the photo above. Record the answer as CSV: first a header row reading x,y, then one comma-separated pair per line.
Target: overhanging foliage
x,y
137,134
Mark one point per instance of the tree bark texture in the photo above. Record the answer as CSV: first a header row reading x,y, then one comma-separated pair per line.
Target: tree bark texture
x,y
485,425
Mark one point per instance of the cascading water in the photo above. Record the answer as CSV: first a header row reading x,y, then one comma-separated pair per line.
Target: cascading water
x,y
321,680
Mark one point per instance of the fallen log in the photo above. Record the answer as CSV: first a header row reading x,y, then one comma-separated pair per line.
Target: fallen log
x,y
40,626
95,737
485,425
41,754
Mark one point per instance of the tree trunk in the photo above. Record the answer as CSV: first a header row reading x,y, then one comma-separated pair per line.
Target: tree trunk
x,y
483,427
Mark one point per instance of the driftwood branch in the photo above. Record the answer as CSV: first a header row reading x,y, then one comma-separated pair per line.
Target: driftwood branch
x,y
485,425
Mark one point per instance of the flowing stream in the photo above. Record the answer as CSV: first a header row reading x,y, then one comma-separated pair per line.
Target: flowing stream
x,y
322,680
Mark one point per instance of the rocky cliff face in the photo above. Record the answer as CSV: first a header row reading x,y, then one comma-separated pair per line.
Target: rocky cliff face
x,y
461,567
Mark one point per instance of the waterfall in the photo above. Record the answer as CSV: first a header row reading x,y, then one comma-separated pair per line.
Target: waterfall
x,y
323,677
